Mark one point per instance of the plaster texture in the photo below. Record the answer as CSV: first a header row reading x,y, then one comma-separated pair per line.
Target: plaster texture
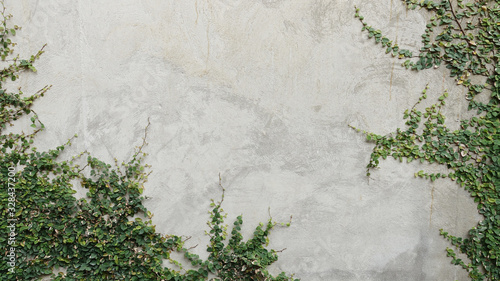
x,y
261,92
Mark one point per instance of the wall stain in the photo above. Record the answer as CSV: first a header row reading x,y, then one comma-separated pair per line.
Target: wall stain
x,y
196,10
208,44
390,85
208,13
443,88
393,62
323,23
390,15
271,3
432,204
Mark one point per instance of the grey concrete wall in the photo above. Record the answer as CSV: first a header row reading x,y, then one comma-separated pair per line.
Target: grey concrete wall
x,y
261,92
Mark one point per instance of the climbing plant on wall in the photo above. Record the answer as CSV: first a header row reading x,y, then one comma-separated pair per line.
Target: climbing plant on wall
x,y
464,36
108,235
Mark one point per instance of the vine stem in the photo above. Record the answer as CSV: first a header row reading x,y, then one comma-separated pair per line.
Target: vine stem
x,y
456,20
143,140
223,190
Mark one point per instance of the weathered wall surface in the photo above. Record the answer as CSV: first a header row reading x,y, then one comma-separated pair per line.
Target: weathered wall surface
x,y
261,92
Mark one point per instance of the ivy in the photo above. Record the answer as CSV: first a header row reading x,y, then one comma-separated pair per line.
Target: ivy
x,y
238,260
107,235
465,37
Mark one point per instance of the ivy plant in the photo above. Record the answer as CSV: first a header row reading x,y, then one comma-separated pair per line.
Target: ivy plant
x,y
107,235
464,36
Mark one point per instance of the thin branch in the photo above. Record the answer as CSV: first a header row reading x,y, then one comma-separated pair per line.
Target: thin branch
x,y
223,190
143,139
456,20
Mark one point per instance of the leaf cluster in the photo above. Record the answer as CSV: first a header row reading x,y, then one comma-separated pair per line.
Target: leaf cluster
x,y
465,37
236,259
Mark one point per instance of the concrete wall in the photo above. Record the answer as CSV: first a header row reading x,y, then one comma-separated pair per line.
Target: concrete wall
x,y
262,92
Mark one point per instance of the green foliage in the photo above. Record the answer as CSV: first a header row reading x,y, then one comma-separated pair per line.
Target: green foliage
x,y
109,235
465,37
237,260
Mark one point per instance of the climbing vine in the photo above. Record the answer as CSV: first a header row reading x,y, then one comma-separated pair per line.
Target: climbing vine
x,y
465,37
108,235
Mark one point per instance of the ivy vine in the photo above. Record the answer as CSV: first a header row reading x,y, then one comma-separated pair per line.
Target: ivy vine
x,y
465,37
109,235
